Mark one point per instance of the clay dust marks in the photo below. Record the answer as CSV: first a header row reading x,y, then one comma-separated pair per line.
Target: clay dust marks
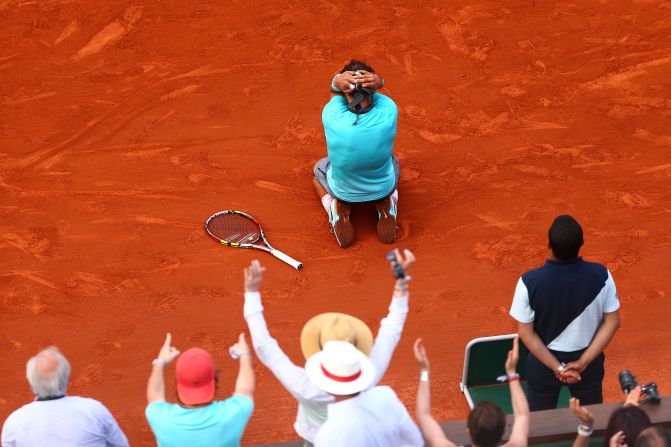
x,y
67,32
110,34
613,80
34,277
665,169
276,187
646,135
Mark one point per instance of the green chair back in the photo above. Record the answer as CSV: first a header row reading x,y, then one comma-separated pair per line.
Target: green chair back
x,y
483,363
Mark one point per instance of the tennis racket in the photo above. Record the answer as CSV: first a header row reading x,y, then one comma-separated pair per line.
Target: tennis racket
x,y
240,230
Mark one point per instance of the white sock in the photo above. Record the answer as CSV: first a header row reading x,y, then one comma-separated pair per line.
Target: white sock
x,y
326,202
395,195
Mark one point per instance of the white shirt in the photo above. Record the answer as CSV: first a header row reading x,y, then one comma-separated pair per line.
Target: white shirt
x,y
70,421
374,418
312,401
579,333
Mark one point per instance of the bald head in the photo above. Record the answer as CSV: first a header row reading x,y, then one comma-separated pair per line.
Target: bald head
x,y
48,373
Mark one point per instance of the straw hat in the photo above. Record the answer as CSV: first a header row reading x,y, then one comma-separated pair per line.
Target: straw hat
x,y
340,369
335,326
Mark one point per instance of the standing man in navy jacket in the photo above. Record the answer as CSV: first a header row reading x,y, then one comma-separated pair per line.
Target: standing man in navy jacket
x,y
567,312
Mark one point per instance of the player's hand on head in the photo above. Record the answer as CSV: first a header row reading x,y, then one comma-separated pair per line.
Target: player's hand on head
x,y
168,353
513,357
254,276
369,80
420,354
345,81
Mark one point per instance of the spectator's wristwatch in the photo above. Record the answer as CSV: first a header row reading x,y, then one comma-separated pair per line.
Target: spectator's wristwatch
x,y
560,368
158,362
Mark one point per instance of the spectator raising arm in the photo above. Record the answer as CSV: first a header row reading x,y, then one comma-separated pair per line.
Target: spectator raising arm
x,y
519,436
431,431
391,326
156,384
292,377
246,382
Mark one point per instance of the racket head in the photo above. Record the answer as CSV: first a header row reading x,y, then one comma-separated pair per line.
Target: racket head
x,y
233,228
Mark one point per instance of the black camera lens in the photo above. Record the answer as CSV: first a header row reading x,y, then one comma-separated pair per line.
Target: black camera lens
x,y
627,381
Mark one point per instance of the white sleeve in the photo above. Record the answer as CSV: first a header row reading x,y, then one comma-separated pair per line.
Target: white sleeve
x,y
329,436
114,437
410,434
388,336
520,309
292,377
8,435
611,301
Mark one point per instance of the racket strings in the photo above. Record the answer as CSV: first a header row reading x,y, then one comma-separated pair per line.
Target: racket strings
x,y
234,228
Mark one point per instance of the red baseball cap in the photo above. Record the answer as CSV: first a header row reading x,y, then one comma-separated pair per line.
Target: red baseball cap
x,y
195,377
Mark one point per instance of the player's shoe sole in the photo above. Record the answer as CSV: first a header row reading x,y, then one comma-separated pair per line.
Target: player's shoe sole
x,y
340,224
386,224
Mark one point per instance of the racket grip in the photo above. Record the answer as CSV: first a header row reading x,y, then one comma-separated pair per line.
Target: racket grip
x,y
286,258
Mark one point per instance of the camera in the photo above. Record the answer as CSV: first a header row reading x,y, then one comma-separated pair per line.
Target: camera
x,y
397,269
649,392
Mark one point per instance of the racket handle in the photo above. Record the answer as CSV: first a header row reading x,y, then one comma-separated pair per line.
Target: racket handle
x,y
286,258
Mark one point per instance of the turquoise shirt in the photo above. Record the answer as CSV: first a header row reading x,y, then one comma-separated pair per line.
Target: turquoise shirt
x,y
219,424
361,169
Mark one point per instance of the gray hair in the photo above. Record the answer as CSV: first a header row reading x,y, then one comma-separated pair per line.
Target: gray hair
x,y
48,373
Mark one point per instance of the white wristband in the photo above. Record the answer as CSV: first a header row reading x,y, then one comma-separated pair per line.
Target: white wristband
x,y
423,376
334,87
584,430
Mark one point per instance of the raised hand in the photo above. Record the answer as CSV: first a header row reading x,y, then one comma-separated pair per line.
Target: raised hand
x,y
513,357
405,260
420,354
617,440
168,353
240,348
581,413
254,276
633,397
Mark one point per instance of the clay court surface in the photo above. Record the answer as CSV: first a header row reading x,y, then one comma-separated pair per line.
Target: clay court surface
x,y
125,125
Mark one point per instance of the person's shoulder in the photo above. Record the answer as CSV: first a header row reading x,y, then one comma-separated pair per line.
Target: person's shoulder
x,y
336,102
534,273
236,404
239,400
382,392
19,415
596,267
385,101
157,408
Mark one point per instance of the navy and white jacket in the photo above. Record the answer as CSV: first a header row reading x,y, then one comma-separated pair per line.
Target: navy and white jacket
x,y
565,301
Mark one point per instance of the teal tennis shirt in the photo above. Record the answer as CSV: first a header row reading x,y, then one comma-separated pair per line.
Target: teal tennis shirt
x,y
361,169
219,424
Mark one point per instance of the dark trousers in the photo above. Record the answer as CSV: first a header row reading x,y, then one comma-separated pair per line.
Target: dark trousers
x,y
544,387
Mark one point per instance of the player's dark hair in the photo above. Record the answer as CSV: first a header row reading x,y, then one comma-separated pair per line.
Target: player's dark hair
x,y
486,423
653,437
355,65
565,237
631,421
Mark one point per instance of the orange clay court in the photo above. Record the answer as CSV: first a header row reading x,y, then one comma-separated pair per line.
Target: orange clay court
x,y
124,125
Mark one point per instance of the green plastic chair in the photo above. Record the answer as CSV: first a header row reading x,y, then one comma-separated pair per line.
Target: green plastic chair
x,y
483,363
